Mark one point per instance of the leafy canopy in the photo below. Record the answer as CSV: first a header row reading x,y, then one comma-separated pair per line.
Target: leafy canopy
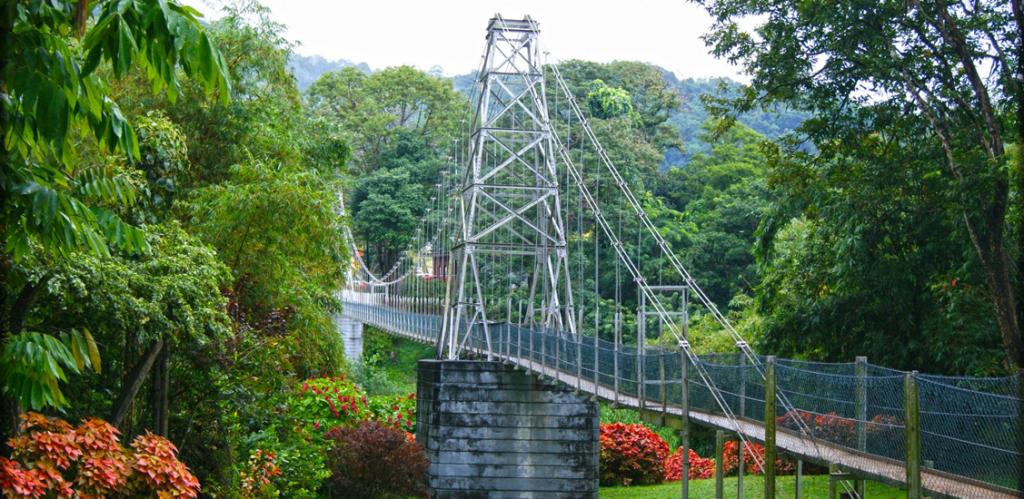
x,y
45,111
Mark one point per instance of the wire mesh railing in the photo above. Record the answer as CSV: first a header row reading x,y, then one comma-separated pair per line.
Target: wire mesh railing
x,y
970,428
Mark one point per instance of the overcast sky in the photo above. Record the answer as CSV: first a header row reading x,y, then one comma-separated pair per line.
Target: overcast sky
x,y
450,33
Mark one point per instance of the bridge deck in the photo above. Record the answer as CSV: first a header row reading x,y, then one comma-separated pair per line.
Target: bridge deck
x,y
814,450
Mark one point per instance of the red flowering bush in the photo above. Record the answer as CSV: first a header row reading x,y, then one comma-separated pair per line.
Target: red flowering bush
x,y
631,454
373,460
50,458
398,412
328,402
257,475
840,430
831,426
752,455
700,467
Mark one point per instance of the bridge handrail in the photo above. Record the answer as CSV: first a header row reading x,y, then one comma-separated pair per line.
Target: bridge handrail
x,y
972,433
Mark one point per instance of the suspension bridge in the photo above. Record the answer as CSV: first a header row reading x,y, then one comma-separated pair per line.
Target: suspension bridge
x,y
536,252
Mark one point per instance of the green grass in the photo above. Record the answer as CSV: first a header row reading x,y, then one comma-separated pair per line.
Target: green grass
x,y
814,487
407,354
389,363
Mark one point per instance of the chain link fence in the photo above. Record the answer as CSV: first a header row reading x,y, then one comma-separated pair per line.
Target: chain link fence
x,y
971,428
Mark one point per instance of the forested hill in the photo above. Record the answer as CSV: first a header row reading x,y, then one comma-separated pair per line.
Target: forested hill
x,y
307,68
688,118
691,114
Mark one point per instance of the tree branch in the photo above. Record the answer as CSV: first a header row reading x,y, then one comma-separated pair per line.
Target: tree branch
x,y
134,383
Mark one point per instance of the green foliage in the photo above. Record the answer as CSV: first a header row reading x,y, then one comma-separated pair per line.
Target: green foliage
x,y
173,291
46,109
164,160
159,37
278,231
54,204
908,186
723,196
264,119
300,457
651,99
34,365
377,108
400,123
607,102
386,207
388,365
690,119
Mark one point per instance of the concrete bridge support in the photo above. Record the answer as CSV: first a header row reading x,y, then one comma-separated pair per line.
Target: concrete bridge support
x,y
493,431
351,332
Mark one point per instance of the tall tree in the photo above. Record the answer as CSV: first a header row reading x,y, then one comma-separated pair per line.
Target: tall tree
x,y
382,107
402,125
949,74
53,98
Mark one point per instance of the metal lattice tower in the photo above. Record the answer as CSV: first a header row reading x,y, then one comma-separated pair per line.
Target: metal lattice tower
x,y
509,205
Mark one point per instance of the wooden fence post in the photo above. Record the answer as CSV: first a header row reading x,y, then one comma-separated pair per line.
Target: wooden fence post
x,y
684,431
741,467
719,461
833,470
769,428
662,392
912,433
861,408
641,341
799,479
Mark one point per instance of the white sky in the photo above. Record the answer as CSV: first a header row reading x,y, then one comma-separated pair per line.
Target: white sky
x,y
450,33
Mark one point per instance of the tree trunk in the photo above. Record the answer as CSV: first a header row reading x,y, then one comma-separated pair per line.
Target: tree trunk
x,y
23,303
1004,300
131,388
1003,280
1018,14
161,384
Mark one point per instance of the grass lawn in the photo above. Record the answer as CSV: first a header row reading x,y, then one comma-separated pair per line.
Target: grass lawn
x,y
402,369
814,487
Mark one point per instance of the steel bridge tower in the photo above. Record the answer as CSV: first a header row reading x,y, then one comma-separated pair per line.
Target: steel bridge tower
x,y
509,206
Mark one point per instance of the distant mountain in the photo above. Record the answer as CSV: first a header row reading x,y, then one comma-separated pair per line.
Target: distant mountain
x,y
691,114
308,68
689,118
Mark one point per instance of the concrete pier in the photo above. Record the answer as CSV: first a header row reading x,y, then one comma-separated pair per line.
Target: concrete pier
x,y
492,431
351,332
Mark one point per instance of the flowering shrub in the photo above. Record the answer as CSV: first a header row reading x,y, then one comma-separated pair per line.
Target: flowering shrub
x,y
50,457
328,402
299,453
700,467
837,429
373,460
631,454
256,477
326,407
398,412
730,459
